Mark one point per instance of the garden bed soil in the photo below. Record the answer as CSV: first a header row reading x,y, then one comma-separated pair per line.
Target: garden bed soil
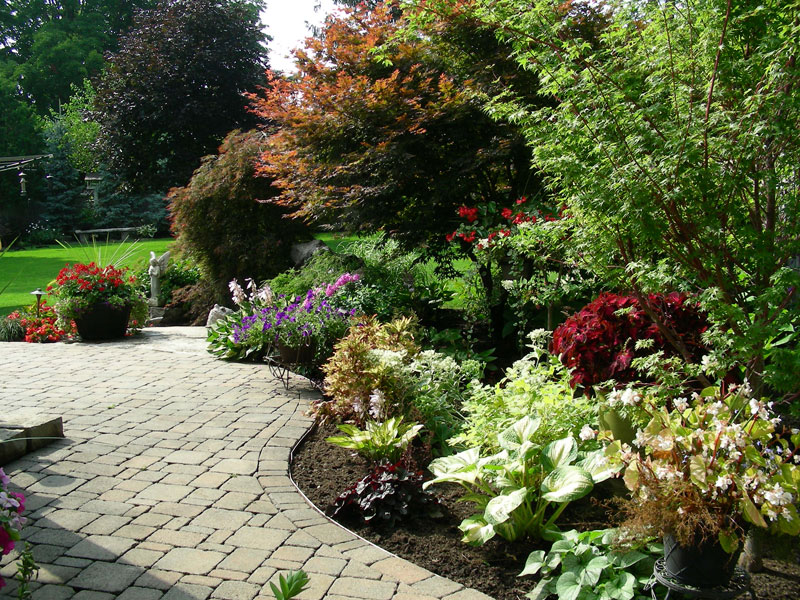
x,y
322,471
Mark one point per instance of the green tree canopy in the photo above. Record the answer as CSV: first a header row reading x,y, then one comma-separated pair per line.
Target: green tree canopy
x,y
674,142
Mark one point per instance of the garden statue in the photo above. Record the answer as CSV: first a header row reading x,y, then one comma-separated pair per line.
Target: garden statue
x,y
158,266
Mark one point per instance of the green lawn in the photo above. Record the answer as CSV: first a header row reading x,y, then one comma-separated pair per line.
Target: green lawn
x,y
22,271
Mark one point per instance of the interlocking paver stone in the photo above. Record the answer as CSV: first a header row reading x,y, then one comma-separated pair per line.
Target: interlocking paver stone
x,y
190,560
172,482
101,547
105,577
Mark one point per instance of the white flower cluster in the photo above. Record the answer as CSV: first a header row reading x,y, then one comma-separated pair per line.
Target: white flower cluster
x,y
258,295
626,397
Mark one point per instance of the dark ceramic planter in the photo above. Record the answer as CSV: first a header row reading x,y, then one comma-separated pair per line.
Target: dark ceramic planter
x,y
704,566
103,322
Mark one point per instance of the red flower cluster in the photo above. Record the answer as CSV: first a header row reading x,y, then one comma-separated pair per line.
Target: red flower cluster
x,y
470,214
40,329
91,277
491,228
598,342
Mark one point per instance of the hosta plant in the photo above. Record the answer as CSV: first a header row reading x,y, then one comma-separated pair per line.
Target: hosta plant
x,y
379,442
711,466
520,491
387,494
585,565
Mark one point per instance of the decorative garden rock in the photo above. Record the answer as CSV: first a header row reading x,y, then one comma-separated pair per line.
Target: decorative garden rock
x,y
217,313
300,253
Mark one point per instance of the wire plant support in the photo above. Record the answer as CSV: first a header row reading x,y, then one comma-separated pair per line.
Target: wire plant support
x,y
739,585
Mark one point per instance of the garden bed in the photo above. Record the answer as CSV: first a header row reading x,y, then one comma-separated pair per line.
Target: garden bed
x,y
322,471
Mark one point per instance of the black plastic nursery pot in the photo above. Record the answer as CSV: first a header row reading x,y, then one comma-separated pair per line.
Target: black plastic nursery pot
x,y
705,565
103,322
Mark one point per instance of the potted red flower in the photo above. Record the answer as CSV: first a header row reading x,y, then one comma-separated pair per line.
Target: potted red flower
x,y
103,301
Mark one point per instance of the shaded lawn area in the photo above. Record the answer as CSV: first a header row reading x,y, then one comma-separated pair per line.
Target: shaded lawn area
x,y
22,271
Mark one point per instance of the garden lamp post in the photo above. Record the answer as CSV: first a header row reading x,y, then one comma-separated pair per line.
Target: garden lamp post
x,y
38,293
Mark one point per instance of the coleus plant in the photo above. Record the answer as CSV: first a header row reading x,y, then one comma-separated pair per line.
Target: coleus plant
x,y
598,343
523,489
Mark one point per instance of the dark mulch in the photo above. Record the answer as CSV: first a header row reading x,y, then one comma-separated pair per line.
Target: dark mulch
x,y
322,471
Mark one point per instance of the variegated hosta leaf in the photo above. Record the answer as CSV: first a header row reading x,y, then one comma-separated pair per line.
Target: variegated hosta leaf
x,y
520,432
600,466
500,507
476,531
566,484
559,453
461,467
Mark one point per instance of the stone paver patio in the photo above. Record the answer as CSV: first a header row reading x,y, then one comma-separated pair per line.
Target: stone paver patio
x,y
172,481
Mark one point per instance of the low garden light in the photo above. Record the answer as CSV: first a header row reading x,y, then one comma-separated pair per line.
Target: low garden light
x,y
38,293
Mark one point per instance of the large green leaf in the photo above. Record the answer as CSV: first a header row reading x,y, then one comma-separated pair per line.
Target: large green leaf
x,y
593,570
500,507
559,453
568,586
543,589
461,467
566,484
621,587
534,563
521,431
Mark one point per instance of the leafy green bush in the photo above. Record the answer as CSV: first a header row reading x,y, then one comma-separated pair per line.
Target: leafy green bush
x,y
537,385
379,442
585,565
393,282
438,387
515,489
11,329
180,273
385,495
362,363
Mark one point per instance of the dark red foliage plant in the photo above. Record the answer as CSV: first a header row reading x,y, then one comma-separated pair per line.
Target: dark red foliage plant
x,y
598,343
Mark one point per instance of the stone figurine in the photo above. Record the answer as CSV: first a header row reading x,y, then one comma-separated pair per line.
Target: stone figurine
x,y
158,266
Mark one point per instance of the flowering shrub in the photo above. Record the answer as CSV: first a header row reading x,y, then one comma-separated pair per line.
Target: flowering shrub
x,y
43,328
709,466
81,286
265,321
484,224
11,520
600,341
